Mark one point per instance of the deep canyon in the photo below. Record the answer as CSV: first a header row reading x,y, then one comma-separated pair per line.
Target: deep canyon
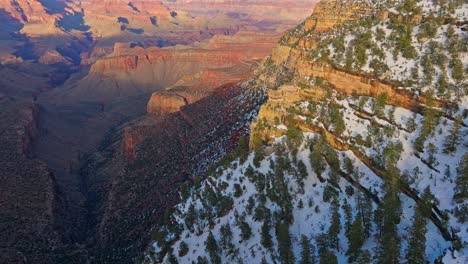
x,y
92,92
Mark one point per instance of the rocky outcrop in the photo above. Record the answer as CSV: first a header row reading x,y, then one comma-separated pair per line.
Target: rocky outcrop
x,y
27,11
290,55
165,103
31,205
115,64
161,153
329,13
269,11
190,73
351,83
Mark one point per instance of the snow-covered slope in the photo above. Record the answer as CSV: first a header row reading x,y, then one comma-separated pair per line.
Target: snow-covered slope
x,y
235,194
360,154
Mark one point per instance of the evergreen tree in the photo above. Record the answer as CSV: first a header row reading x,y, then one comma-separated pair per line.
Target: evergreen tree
x,y
183,249
328,258
171,259
336,117
417,233
202,260
335,226
453,138
246,231
302,169
458,71
211,247
316,158
348,216
428,29
431,150
349,58
349,167
461,187
366,215
356,239
411,125
307,252
389,248
379,104
364,257
409,8
284,243
266,236
226,236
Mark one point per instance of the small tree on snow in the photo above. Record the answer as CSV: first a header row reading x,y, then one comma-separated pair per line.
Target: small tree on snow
x,y
453,138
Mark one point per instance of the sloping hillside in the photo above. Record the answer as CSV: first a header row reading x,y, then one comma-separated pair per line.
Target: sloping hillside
x,y
359,154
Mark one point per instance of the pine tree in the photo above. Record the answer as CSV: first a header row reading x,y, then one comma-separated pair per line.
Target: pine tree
x,y
171,259
458,71
461,187
302,169
226,236
411,125
202,260
454,137
364,208
348,216
316,158
246,231
335,226
356,239
307,253
212,248
431,150
364,257
349,167
183,249
389,248
266,236
328,258
284,243
417,233
379,104
336,116
349,58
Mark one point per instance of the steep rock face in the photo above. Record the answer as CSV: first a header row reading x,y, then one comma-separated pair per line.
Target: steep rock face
x,y
31,205
188,72
119,63
330,13
165,103
269,11
352,83
140,10
154,158
27,11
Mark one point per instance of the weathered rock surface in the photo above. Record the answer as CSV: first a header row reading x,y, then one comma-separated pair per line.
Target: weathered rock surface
x,y
114,45
330,13
149,161
31,206
165,103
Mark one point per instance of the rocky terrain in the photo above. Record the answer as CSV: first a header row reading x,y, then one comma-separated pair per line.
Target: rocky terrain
x,y
359,154
152,163
78,79
32,222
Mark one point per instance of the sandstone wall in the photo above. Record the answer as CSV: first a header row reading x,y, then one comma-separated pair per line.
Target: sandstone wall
x,y
165,103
